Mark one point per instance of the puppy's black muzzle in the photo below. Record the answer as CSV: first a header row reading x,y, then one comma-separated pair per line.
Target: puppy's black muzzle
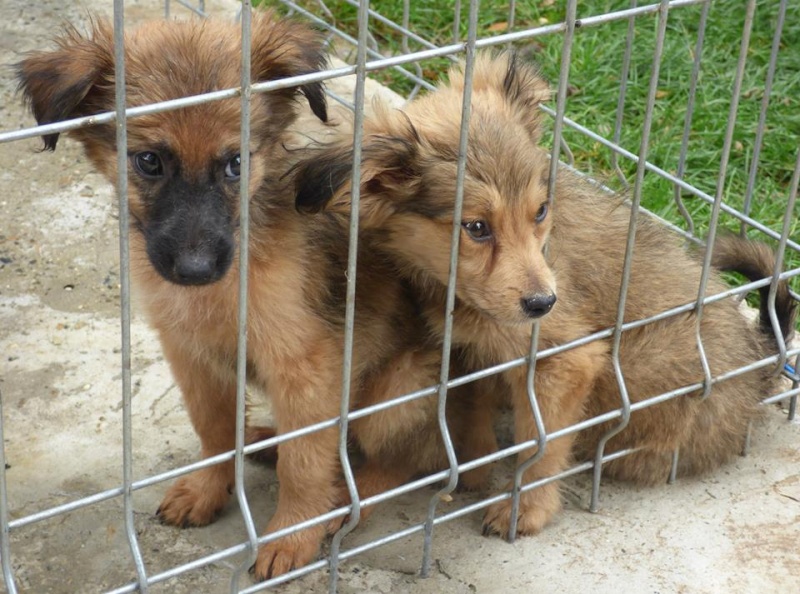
x,y
190,262
537,306
189,235
203,266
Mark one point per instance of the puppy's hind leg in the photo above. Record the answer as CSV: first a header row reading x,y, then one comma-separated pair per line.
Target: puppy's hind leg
x,y
400,441
196,499
471,412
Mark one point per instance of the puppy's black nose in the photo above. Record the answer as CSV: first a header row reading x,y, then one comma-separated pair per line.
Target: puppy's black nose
x,y
537,305
195,268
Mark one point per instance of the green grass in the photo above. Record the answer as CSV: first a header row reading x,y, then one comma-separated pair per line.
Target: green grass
x,y
594,89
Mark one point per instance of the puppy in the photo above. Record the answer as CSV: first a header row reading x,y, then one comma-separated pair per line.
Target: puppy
x,y
184,172
507,279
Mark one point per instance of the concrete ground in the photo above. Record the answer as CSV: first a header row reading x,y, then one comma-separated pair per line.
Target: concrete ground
x,y
736,531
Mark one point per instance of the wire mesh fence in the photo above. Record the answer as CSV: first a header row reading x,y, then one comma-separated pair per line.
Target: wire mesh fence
x,y
693,172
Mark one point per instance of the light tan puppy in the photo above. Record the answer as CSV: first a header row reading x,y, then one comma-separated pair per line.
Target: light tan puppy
x,y
505,281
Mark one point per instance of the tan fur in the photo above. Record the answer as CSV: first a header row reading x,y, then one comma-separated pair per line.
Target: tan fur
x,y
297,265
407,193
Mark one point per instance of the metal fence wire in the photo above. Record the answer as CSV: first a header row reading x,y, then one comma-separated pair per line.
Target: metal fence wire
x,y
396,53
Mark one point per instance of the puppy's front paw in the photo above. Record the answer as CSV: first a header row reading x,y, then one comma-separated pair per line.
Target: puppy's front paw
x,y
195,500
536,509
288,553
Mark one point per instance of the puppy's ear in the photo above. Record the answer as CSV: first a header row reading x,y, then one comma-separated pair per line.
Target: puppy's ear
x,y
389,177
524,89
323,180
75,80
284,47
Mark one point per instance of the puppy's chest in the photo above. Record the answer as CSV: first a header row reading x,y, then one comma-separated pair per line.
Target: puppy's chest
x,y
209,316
487,340
491,342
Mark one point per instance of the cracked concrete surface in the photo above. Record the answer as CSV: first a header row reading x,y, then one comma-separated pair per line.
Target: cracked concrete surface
x,y
734,531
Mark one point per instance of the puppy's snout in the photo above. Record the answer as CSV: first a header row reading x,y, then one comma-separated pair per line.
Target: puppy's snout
x,y
194,268
203,266
536,306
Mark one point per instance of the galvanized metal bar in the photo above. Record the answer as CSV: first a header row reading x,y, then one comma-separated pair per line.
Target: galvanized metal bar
x,y
125,291
541,432
350,306
762,118
512,450
795,388
506,452
561,106
324,7
244,267
340,100
175,473
284,83
331,73
746,445
5,531
789,218
561,97
406,34
404,29
715,210
395,536
791,394
687,121
406,49
673,470
729,210
512,19
457,21
461,168
626,271
623,90
198,10
428,480
373,52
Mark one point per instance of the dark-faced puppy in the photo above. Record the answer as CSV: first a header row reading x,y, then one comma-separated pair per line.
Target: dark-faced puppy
x,y
506,279
184,172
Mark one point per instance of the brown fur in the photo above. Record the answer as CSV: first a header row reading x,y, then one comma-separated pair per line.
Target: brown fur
x,y
296,269
408,188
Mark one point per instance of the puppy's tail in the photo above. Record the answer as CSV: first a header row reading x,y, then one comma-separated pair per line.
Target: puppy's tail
x,y
755,261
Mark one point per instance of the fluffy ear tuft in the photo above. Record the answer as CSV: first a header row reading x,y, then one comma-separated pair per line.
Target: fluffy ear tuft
x,y
72,81
388,177
282,48
525,89
323,179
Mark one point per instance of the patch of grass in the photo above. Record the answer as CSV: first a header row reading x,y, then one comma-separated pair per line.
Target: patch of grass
x,y
596,65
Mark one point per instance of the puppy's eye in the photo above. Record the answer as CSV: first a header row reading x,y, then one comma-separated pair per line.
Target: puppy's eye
x,y
541,214
477,230
148,164
234,168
